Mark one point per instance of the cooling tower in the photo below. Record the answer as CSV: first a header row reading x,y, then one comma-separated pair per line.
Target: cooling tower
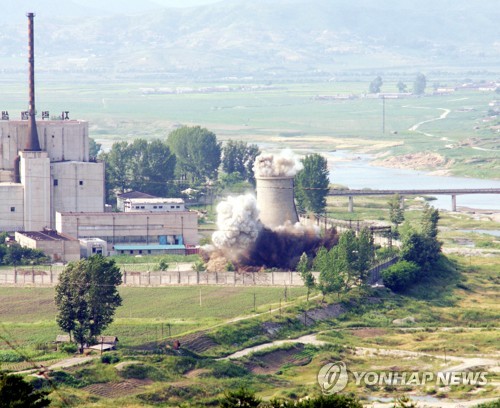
x,y
275,201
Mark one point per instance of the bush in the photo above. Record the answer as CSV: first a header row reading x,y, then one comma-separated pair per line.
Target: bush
x,y
142,372
401,275
10,356
109,359
69,348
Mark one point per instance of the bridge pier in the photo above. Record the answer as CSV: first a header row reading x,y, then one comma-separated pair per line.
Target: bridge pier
x,y
350,206
454,202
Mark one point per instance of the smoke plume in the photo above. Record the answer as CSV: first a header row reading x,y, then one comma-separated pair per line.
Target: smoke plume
x,y
284,164
237,222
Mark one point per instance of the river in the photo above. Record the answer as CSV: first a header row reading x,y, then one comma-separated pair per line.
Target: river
x,y
355,171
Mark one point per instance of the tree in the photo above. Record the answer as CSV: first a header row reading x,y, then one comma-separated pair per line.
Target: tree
x,y
365,253
396,211
94,148
87,297
15,392
375,85
419,84
240,398
311,184
197,151
239,157
401,87
145,166
401,275
304,269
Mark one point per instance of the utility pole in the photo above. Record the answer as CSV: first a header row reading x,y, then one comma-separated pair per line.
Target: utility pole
x,y
383,114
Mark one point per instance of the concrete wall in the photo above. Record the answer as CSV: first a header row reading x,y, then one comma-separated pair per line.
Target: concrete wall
x,y
26,276
63,140
275,201
58,250
11,196
129,227
80,187
35,177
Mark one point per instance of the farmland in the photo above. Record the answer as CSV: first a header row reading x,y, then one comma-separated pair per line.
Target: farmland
x,y
285,115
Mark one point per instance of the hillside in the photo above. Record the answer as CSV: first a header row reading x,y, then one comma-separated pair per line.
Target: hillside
x,y
288,38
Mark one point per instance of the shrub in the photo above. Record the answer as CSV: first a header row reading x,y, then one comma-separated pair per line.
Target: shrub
x,y
109,359
400,276
10,356
69,348
141,372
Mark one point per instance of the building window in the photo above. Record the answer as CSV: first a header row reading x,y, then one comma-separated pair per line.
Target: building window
x,y
12,209
80,182
122,251
171,206
149,251
136,207
131,252
154,206
161,206
140,251
142,207
56,182
177,206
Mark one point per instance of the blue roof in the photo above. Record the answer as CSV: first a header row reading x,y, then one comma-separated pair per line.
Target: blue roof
x,y
144,247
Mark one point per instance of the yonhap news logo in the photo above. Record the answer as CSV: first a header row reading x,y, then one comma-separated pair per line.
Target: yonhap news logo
x,y
333,378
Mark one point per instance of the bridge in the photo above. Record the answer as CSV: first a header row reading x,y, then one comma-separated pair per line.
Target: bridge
x,y
402,193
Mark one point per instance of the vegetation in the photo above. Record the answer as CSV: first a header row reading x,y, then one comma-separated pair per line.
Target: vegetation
x,y
396,211
400,276
239,157
375,85
139,165
15,392
197,151
419,84
17,255
86,298
311,184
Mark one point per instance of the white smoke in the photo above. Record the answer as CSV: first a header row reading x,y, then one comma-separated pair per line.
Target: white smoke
x,y
237,222
298,229
284,164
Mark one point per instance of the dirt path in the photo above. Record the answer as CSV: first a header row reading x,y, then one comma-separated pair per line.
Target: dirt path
x,y
415,127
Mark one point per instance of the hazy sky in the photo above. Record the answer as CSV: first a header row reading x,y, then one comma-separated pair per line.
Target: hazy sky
x,y
184,3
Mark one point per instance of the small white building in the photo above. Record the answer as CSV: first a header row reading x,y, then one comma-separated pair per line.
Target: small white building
x,y
153,204
121,198
93,246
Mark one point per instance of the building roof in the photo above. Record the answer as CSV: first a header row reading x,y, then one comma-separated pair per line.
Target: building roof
x,y
134,194
145,247
155,200
46,235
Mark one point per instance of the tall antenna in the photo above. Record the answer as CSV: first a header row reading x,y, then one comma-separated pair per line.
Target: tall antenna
x,y
32,144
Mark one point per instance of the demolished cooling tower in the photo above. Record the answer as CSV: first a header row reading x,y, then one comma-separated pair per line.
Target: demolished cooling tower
x,y
275,200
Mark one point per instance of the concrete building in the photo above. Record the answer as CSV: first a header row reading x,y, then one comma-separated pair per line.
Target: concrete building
x,y
275,201
93,246
120,198
59,247
175,230
59,177
153,204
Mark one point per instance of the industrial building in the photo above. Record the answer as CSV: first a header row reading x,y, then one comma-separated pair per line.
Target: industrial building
x,y
58,247
48,181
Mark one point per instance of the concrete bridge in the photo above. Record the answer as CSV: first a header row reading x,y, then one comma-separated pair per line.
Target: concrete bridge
x,y
402,193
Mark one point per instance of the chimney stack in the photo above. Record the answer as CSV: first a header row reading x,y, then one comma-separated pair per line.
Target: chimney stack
x,y
32,143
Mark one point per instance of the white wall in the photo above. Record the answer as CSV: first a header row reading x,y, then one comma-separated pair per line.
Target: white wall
x,y
11,195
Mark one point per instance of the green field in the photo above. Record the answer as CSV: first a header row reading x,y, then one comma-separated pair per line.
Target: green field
x,y
288,115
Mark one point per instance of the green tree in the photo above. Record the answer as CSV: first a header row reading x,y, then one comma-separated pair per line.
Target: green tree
x,y
17,393
239,157
94,148
401,275
241,398
365,253
87,297
375,85
311,184
396,211
419,84
401,86
197,151
141,165
303,267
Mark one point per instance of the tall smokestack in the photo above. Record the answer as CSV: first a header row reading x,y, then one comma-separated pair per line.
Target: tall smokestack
x,y
32,143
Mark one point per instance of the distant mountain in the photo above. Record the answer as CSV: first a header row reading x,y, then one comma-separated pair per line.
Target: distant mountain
x,y
259,37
